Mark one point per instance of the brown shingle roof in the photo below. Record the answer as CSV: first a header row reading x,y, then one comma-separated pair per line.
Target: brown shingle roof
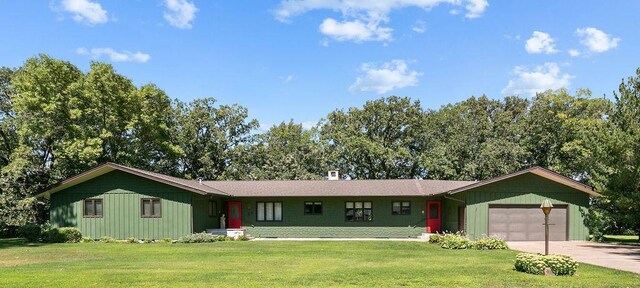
x,y
316,188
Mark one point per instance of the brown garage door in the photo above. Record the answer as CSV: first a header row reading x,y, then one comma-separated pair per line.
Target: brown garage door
x,y
524,223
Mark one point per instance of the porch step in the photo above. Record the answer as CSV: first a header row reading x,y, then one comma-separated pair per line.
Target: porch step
x,y
425,236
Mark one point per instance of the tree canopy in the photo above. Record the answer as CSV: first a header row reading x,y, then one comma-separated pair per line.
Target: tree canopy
x,y
57,121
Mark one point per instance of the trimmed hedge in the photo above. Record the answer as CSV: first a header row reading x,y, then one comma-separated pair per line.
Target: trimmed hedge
x,y
536,263
65,235
203,237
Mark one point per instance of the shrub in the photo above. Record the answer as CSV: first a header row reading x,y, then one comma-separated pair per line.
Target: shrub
x,y
536,263
86,240
167,240
435,238
203,237
147,241
31,232
220,237
242,238
107,239
65,235
455,241
490,244
132,240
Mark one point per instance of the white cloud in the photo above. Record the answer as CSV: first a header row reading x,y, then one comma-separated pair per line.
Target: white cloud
x,y
384,78
528,82
307,125
574,53
475,8
356,31
287,79
596,40
114,56
85,11
419,27
361,19
180,13
540,42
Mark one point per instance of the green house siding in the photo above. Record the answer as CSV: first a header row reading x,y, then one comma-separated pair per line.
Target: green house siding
x,y
332,223
524,189
121,193
201,218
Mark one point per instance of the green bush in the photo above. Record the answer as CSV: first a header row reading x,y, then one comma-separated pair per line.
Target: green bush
x,y
132,240
147,241
435,238
167,240
242,238
87,240
220,237
455,241
490,244
203,237
65,235
107,239
536,263
31,232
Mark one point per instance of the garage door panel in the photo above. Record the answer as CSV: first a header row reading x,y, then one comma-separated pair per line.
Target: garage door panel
x,y
522,223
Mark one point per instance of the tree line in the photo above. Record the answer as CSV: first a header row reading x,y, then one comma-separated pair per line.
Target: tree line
x,y
57,121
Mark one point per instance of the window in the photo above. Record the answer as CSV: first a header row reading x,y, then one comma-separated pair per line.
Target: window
x,y
269,211
312,208
401,208
151,208
358,212
92,208
213,208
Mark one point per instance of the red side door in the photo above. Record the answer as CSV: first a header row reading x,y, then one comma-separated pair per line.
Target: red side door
x,y
433,216
235,215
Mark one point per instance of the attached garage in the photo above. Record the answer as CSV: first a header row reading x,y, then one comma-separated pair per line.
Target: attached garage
x,y
509,206
525,222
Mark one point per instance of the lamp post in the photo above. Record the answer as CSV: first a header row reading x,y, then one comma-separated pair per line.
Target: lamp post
x,y
546,209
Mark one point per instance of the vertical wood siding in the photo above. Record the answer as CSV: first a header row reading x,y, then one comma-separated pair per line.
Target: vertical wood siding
x,y
121,193
525,189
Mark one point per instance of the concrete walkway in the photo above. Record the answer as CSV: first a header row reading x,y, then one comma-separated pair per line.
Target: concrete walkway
x,y
616,256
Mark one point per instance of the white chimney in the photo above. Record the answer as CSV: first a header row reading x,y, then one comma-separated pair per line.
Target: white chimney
x,y
333,175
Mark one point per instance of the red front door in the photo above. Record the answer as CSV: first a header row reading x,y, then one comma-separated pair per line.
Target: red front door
x,y
235,215
433,216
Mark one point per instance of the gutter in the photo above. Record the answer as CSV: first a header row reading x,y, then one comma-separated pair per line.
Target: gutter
x,y
454,199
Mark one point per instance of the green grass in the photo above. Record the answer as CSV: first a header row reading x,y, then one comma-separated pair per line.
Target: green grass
x,y
621,239
277,263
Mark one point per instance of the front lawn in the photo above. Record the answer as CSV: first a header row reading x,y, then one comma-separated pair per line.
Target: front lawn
x,y
621,239
277,263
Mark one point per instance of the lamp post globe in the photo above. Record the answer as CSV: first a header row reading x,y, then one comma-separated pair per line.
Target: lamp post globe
x,y
546,209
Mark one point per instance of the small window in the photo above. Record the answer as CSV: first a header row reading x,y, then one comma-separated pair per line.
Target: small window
x,y
312,208
358,212
269,211
92,208
213,208
401,208
151,208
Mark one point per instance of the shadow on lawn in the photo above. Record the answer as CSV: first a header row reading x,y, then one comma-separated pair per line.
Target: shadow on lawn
x,y
17,242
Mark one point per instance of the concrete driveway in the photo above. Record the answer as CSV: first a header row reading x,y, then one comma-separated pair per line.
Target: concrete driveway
x,y
621,257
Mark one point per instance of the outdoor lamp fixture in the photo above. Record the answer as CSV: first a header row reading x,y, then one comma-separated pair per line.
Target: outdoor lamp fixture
x,y
546,209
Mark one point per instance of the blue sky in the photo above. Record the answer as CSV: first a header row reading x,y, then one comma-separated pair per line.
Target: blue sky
x,y
301,59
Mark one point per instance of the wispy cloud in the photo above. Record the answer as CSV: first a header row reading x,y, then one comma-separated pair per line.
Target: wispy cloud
x,y
384,78
362,20
84,11
529,81
540,42
419,27
596,40
114,56
180,13
574,52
